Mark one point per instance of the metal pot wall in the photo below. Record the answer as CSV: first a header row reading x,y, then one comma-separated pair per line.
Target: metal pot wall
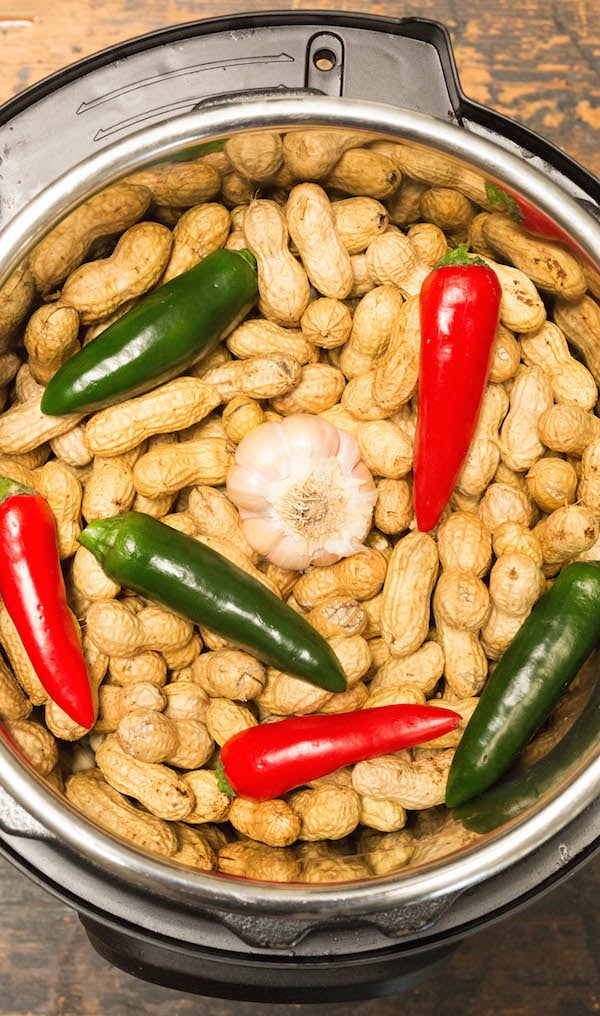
x,y
152,99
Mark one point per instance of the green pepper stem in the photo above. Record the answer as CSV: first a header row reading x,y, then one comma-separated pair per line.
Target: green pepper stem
x,y
460,256
222,782
8,488
500,199
99,536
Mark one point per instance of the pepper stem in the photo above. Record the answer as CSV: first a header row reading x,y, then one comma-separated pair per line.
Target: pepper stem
x,y
460,256
222,782
500,199
8,488
99,536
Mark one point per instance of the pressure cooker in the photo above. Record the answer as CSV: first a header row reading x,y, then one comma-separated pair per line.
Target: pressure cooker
x,y
154,98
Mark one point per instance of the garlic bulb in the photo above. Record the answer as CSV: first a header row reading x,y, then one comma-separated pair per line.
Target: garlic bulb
x,y
303,493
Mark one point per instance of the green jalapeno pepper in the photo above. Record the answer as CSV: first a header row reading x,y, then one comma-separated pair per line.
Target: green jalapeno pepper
x,y
164,333
193,580
542,659
521,790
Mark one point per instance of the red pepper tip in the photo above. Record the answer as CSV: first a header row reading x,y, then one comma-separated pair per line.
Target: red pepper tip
x,y
82,712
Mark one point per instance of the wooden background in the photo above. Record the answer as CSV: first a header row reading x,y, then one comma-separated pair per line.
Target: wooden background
x,y
539,63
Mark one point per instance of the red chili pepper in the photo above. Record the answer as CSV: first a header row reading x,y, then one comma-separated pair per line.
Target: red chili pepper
x,y
460,306
266,761
527,215
33,591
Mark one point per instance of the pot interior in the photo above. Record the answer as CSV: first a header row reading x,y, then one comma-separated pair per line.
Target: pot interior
x,y
403,179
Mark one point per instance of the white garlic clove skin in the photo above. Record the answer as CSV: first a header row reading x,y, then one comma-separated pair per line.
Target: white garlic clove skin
x,y
262,533
304,494
291,552
265,450
246,488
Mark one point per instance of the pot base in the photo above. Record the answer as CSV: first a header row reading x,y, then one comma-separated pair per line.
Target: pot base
x,y
278,980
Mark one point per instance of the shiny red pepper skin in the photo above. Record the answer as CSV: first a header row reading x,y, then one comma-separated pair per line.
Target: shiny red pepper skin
x,y
33,591
266,761
460,307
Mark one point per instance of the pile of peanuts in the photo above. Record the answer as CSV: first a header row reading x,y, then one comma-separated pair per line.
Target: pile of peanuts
x,y
344,230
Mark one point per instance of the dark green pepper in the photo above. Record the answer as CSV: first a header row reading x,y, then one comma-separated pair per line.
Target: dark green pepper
x,y
168,330
542,659
181,573
513,795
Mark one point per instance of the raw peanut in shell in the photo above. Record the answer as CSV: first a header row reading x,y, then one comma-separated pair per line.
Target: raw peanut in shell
x,y
520,441
112,211
159,789
552,482
392,258
114,812
25,427
258,336
483,456
282,282
326,322
362,171
312,154
372,326
580,322
516,583
429,242
311,222
109,488
589,483
168,469
170,407
16,297
449,209
413,784
180,184
549,266
405,608
565,533
256,155
404,206
51,337
198,232
260,377
506,356
394,506
571,381
358,221
318,388
98,288
567,428
436,169
503,503
521,307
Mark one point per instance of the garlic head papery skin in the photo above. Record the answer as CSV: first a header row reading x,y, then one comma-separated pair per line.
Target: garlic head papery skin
x,y
304,495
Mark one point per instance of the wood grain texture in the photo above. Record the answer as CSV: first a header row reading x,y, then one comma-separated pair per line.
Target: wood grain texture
x,y
539,63
540,962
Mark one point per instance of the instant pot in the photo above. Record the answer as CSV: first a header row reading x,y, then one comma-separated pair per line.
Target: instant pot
x,y
154,98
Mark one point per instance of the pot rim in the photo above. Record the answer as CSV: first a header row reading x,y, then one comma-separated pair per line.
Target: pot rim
x,y
448,875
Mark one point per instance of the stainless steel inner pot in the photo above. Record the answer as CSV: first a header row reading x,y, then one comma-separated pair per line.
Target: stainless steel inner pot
x,y
36,194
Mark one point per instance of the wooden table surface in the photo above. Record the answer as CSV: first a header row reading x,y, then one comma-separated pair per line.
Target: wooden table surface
x,y
538,62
